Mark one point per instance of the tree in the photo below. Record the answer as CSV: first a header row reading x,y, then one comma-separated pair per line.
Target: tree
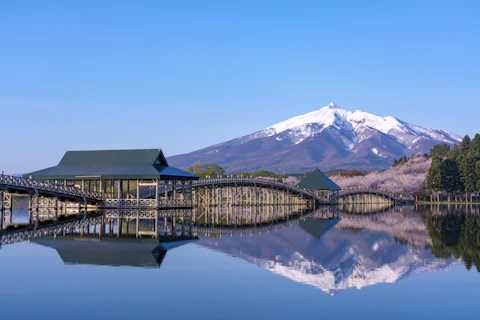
x,y
450,176
206,170
440,151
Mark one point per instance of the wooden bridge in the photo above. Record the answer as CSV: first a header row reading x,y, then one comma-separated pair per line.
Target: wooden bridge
x,y
250,191
364,195
258,190
18,185
234,190
43,197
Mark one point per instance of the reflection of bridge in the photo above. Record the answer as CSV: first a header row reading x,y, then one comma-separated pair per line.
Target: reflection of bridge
x,y
182,223
165,224
253,225
364,208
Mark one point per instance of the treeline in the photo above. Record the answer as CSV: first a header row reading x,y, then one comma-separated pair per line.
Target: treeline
x,y
454,172
206,170
345,173
403,160
214,170
262,173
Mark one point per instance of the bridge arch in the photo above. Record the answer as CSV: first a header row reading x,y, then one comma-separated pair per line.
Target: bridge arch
x,y
396,199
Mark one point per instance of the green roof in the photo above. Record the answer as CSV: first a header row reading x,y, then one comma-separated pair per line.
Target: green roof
x,y
318,227
316,180
113,164
110,157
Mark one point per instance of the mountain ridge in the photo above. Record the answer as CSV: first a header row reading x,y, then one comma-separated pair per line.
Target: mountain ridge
x,y
330,138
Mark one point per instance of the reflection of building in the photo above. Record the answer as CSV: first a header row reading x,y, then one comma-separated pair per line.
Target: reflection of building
x,y
317,227
146,253
122,174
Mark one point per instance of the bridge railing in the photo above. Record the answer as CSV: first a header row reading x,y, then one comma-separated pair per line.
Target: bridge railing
x,y
252,180
42,185
275,183
374,190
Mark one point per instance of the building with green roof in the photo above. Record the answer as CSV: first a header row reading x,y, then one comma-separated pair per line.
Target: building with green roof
x,y
319,184
120,174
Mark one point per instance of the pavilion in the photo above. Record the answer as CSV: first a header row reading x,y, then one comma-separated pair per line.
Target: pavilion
x,y
319,184
122,175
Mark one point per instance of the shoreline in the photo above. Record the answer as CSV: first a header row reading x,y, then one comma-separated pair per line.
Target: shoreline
x,y
446,202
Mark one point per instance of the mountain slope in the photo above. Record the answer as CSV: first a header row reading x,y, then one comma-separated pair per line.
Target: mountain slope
x,y
329,138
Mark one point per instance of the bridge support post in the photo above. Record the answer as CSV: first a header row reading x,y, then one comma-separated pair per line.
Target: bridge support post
x,y
2,212
56,209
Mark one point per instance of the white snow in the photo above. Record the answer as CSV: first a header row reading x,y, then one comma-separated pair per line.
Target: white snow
x,y
374,151
354,127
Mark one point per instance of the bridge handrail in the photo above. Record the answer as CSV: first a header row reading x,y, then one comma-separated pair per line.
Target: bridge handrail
x,y
236,179
44,185
372,190
274,182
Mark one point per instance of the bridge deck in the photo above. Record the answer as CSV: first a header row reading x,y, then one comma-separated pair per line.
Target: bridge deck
x,y
21,185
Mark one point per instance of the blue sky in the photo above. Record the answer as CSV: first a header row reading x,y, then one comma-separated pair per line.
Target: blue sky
x,y
182,75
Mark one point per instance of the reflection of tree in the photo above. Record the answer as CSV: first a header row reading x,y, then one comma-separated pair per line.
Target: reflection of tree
x,y
457,235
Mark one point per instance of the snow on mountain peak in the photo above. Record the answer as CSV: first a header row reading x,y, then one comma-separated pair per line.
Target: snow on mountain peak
x,y
353,125
329,137
326,116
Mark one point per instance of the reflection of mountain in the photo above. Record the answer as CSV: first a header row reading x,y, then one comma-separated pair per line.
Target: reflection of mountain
x,y
146,253
340,259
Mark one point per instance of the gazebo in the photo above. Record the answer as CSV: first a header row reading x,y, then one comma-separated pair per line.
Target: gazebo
x,y
319,184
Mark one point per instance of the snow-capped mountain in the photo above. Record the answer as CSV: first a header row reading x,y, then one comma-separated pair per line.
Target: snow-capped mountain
x,y
329,138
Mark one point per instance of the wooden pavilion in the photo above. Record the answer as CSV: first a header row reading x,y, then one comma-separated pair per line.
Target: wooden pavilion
x,y
127,178
319,184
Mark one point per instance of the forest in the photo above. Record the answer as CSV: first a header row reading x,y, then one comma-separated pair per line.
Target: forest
x,y
454,172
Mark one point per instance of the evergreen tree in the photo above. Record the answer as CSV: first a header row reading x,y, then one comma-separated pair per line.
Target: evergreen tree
x,y
440,151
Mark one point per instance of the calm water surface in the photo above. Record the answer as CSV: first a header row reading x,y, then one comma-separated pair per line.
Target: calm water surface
x,y
404,263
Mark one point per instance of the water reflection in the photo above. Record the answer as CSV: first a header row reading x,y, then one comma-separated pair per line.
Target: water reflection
x,y
110,251
455,232
354,252
330,248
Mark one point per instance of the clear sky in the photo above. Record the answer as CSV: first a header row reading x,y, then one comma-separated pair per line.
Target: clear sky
x,y
183,75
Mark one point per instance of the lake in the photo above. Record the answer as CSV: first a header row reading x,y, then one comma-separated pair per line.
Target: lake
x,y
412,262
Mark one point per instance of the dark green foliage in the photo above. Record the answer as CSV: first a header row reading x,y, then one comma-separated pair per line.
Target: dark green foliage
x,y
206,170
457,169
214,170
440,151
403,160
455,235
262,173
